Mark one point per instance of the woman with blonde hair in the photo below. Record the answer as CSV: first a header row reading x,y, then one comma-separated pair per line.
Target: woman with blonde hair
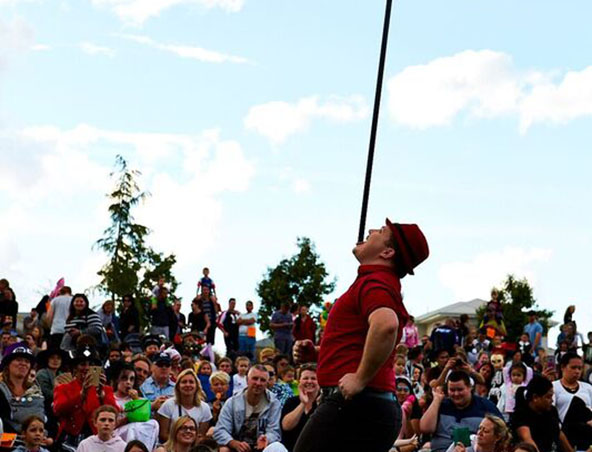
x,y
183,436
189,401
493,436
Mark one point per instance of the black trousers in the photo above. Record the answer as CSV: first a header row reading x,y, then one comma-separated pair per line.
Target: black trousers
x,y
366,423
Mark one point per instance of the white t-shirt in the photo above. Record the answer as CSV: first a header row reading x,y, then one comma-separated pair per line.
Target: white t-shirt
x,y
562,397
238,383
243,330
60,307
170,410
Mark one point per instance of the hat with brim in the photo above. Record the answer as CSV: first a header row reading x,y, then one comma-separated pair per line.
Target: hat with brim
x,y
411,246
18,350
83,354
44,355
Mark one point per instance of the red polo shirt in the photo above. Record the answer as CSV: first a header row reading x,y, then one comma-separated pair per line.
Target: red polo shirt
x,y
343,341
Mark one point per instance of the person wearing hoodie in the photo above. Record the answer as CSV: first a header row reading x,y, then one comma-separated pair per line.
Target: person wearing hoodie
x,y
104,419
250,420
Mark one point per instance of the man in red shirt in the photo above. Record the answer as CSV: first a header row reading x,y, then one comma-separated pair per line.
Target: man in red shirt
x,y
358,410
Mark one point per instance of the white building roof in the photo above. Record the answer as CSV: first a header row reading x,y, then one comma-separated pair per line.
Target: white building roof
x,y
452,310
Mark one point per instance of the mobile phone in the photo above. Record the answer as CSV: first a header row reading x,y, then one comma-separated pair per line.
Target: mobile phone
x,y
551,361
461,435
95,375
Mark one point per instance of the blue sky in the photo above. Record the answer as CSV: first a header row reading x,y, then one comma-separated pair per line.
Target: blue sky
x,y
250,122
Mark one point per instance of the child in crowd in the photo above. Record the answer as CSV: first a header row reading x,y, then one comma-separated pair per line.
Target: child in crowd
x,y
515,376
206,281
288,377
219,383
33,429
104,419
225,365
239,380
400,366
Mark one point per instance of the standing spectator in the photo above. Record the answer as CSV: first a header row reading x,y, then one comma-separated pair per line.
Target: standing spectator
x,y
57,315
251,419
198,320
129,321
228,324
573,400
247,331
179,317
298,409
459,409
536,420
8,303
161,313
535,332
104,419
410,334
211,309
516,375
158,287
304,326
81,320
281,324
189,400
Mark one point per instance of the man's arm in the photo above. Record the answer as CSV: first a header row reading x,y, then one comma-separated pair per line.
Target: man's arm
x,y
380,343
537,339
429,421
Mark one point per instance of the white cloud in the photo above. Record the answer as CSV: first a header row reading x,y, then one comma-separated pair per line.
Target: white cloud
x,y
40,47
185,51
16,37
485,84
136,12
475,278
94,49
278,120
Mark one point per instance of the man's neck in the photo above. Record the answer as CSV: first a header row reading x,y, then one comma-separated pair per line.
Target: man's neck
x,y
162,382
378,261
462,407
253,399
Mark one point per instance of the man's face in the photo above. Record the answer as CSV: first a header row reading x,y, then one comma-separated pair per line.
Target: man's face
x,y
205,290
460,393
163,293
151,349
142,371
105,424
257,381
270,375
114,355
573,370
442,358
5,339
161,371
374,245
177,306
232,305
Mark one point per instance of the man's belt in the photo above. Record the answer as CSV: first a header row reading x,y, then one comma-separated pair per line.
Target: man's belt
x,y
329,391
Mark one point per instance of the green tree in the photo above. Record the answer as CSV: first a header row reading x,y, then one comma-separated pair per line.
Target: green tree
x,y
301,279
517,298
133,267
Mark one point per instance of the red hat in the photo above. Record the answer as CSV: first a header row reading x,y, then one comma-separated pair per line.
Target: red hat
x,y
410,244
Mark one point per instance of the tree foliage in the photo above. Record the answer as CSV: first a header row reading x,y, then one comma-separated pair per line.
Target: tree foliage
x,y
301,279
133,266
517,298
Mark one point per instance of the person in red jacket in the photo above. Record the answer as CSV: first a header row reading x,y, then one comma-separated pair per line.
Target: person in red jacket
x,y
304,326
75,401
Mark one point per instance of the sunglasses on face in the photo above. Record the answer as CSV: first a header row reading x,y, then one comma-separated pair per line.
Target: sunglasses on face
x,y
162,365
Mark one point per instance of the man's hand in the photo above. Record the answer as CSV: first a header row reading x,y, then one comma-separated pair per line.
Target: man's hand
x,y
304,351
438,393
158,402
350,385
241,446
262,442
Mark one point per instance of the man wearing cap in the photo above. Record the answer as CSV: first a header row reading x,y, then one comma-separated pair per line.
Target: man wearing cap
x,y
158,387
358,410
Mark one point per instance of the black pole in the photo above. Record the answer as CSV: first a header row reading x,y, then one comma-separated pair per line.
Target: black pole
x,y
387,16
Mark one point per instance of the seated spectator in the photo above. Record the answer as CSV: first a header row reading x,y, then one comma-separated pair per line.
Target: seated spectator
x,y
183,436
441,357
33,434
158,387
124,384
288,378
74,402
104,419
250,419
81,320
225,365
49,366
281,391
220,385
457,362
400,366
239,380
409,406
573,400
142,366
136,446
493,435
189,400
19,397
535,419
298,409
109,320
459,409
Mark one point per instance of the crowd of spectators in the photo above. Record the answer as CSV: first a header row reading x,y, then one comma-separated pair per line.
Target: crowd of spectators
x,y
75,379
